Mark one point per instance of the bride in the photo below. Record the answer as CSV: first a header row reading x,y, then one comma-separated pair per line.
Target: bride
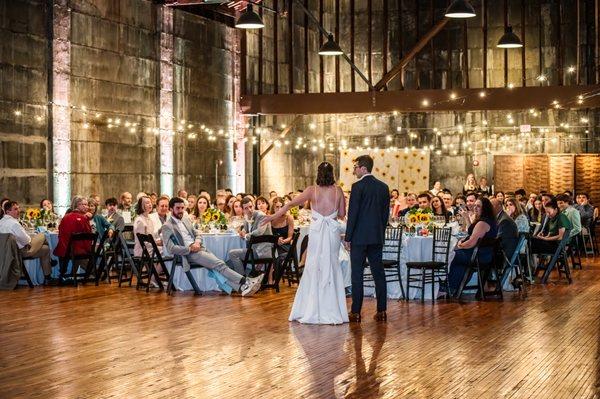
x,y
321,298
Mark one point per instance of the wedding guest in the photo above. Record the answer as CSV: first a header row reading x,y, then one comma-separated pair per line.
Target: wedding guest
x,y
73,222
182,193
424,200
530,202
585,209
394,196
537,212
439,208
2,202
221,204
46,205
97,221
160,216
283,229
96,198
508,232
262,205
470,184
569,193
484,226
546,241
182,239
113,217
228,191
240,196
191,203
470,200
153,199
202,205
204,193
273,194
126,202
437,187
411,203
31,247
564,204
143,224
251,227
547,197
237,211
459,202
514,210
483,186
448,201
500,196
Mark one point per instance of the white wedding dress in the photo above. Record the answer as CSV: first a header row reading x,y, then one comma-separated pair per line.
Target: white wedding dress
x,y
321,298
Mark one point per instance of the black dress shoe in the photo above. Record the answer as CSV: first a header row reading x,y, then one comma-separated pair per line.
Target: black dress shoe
x,y
380,316
354,317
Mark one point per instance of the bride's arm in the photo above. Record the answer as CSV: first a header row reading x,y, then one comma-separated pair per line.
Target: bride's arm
x,y
300,199
341,204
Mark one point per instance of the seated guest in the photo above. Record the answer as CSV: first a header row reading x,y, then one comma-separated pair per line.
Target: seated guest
x,y
483,186
97,221
437,188
153,199
228,191
251,227
394,196
202,205
126,202
514,210
439,208
546,241
221,204
46,205
459,202
530,202
282,228
143,224
508,232
205,193
273,194
564,204
262,205
586,211
411,203
182,193
96,198
500,196
160,216
520,194
191,203
470,199
31,247
240,196
237,212
424,201
470,184
73,222
448,201
537,212
181,238
229,204
484,226
2,202
113,217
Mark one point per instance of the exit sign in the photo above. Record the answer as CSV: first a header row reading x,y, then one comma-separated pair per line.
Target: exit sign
x,y
525,128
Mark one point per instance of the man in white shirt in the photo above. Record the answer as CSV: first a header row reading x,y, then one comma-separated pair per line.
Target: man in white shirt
x,y
161,215
30,247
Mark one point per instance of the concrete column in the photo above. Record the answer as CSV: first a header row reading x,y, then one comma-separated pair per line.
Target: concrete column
x,y
165,15
239,123
61,109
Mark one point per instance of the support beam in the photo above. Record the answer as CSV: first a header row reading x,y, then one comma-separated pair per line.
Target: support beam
x,y
282,135
411,100
397,69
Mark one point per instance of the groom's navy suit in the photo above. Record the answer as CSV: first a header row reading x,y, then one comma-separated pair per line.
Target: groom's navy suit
x,y
368,214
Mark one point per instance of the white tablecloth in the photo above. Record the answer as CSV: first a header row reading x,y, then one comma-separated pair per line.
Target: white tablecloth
x,y
414,249
219,245
34,267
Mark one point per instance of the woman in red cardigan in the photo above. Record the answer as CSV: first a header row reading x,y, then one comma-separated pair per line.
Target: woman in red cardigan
x,y
76,221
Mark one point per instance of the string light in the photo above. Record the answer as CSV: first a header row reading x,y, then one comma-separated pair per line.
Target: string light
x,y
571,69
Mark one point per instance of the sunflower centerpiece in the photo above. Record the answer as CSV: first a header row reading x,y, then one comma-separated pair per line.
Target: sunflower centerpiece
x,y
420,219
213,219
33,217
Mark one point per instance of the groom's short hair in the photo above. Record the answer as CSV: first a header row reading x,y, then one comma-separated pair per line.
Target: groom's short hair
x,y
366,161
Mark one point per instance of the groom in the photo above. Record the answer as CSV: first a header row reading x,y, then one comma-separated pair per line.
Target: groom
x,y
368,214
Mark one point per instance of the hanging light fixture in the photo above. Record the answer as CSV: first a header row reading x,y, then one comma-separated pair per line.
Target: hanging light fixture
x,y
509,39
460,9
249,20
330,47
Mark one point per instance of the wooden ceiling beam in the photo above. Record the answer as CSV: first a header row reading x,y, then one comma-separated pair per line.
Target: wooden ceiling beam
x,y
412,100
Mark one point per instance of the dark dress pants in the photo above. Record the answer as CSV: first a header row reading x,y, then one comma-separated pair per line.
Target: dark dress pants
x,y
358,255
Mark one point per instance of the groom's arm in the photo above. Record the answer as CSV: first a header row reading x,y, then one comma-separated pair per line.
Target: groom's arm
x,y
385,206
353,208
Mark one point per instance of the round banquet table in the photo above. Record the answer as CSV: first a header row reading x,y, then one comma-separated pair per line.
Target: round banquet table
x,y
219,245
34,267
414,249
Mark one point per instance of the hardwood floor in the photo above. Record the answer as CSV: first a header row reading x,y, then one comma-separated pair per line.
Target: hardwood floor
x,y
106,342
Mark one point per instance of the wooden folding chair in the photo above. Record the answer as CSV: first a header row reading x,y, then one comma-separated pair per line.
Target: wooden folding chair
x,y
558,260
482,269
269,262
289,263
392,249
178,262
151,256
90,256
514,263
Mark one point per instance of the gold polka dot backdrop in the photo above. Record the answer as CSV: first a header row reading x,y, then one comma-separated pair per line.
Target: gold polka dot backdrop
x,y
404,171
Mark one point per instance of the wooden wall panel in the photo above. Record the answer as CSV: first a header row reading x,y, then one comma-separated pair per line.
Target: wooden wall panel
x,y
561,172
508,172
587,176
535,169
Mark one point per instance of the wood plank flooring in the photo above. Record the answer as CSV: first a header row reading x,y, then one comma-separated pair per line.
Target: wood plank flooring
x,y
106,342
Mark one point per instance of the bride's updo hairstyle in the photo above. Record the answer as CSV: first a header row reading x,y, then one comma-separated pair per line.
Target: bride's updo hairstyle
x,y
325,174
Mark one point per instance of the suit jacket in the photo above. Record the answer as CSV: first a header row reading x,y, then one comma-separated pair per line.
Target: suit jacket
x,y
173,243
255,229
507,233
368,212
10,262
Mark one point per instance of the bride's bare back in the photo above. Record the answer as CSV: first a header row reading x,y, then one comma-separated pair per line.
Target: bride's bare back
x,y
327,199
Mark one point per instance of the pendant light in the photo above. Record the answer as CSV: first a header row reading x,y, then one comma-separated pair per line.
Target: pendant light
x,y
509,39
249,20
330,47
460,9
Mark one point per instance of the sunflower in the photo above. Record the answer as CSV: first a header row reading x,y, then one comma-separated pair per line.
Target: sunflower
x,y
36,214
215,217
413,219
30,212
424,218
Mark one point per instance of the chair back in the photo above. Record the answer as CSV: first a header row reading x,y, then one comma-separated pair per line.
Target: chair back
x,y
89,238
101,245
303,246
482,243
564,241
392,247
293,245
264,239
441,244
